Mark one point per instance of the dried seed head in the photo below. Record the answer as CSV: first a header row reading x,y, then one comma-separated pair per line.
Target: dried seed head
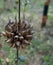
x,y
20,33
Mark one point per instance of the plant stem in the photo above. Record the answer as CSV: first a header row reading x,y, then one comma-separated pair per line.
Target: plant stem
x,y
19,9
19,23
16,57
17,54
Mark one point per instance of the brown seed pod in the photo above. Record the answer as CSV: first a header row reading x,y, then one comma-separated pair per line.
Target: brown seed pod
x,y
19,35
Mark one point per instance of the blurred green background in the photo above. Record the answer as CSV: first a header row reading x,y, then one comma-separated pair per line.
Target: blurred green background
x,y
41,50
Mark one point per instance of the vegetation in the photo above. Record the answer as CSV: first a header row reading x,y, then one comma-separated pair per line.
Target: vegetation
x,y
42,43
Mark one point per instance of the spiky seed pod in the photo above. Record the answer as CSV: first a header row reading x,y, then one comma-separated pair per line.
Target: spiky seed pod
x,y
18,34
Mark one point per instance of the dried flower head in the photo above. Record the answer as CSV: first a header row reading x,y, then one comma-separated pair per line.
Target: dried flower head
x,y
19,34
